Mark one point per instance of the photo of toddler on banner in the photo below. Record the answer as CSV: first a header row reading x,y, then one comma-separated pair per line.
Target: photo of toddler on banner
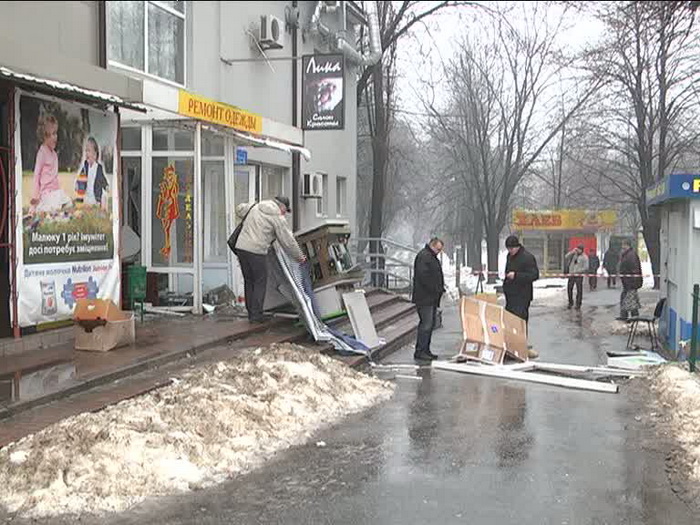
x,y
47,195
91,184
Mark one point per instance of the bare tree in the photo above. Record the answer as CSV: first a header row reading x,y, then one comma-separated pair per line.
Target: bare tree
x,y
375,89
646,122
502,111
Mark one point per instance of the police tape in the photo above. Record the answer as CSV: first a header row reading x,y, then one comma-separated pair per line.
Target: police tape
x,y
566,275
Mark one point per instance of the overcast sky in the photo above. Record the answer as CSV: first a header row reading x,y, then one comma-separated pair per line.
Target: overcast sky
x,y
421,54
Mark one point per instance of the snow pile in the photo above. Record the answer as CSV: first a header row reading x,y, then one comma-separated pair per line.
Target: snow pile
x,y
215,422
679,394
622,328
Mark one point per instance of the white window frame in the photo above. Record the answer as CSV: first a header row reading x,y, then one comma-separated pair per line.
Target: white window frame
x,y
207,189
343,210
321,202
145,73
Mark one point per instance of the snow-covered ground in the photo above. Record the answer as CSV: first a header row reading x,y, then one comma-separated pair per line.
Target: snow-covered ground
x,y
212,423
678,393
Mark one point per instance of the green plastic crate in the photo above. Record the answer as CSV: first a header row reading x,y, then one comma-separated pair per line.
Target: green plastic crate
x,y
136,290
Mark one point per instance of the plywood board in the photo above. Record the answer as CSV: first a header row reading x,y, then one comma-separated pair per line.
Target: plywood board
x,y
361,319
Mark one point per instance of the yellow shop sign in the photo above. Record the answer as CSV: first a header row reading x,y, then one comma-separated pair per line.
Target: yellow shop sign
x,y
202,108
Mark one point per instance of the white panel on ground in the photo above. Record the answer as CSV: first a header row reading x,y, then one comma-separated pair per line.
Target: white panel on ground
x,y
361,318
504,373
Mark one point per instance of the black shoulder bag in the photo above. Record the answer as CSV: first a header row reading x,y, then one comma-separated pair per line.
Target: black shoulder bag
x,y
233,238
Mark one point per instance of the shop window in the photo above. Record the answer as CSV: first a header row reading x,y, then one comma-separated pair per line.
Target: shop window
x,y
273,181
131,177
172,234
212,144
214,205
148,37
341,196
173,139
131,139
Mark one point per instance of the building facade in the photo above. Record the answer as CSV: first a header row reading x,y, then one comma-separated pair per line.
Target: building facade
x,y
208,100
678,200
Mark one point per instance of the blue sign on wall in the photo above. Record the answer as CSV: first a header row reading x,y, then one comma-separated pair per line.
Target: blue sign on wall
x,y
675,186
241,156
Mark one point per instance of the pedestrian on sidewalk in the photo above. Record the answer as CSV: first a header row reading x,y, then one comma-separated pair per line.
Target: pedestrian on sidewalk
x,y
264,223
577,266
593,265
428,287
632,280
521,272
610,260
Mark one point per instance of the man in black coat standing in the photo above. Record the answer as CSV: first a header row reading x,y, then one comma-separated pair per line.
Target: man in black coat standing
x,y
521,272
428,287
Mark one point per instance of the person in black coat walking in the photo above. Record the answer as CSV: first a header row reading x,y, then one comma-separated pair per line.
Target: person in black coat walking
x,y
428,287
610,261
593,265
521,272
632,281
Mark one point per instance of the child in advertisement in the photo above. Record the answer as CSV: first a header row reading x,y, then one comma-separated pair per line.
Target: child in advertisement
x,y
47,195
91,183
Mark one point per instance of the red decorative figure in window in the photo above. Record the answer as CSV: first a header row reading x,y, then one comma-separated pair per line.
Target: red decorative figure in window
x,y
168,208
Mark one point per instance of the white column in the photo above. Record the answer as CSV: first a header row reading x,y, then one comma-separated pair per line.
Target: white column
x,y
198,222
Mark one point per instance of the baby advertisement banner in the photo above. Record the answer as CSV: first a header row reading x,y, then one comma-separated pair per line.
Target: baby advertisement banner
x,y
67,199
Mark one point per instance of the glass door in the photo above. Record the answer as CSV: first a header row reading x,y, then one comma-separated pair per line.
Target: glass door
x,y
242,187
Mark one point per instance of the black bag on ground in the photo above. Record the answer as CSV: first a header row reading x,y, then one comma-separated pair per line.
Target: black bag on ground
x,y
233,238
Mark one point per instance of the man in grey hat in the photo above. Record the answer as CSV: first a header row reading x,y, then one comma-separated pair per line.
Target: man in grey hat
x,y
264,223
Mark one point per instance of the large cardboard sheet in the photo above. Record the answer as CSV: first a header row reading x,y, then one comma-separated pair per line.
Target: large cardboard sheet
x,y
495,332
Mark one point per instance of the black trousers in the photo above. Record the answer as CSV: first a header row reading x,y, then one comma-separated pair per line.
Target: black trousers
x,y
593,282
612,281
254,268
427,315
520,309
578,283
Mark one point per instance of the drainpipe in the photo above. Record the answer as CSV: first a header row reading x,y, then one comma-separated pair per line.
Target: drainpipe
x,y
315,25
375,41
296,159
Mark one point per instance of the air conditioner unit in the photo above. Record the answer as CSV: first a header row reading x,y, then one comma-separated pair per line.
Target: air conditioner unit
x,y
271,32
313,186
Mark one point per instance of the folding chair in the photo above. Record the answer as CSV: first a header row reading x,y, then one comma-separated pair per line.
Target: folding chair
x,y
651,325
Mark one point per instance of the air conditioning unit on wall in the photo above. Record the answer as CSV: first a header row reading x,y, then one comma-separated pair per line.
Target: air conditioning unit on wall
x,y
271,32
313,186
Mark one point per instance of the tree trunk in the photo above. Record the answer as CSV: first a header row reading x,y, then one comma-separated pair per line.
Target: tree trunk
x,y
651,229
379,162
492,248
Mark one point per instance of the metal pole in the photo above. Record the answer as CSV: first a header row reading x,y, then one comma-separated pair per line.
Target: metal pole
x,y
458,266
694,336
198,222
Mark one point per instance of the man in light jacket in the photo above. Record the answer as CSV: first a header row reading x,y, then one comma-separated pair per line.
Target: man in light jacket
x,y
577,262
263,224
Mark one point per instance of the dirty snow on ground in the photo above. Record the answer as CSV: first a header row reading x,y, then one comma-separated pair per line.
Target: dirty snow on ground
x,y
678,392
212,423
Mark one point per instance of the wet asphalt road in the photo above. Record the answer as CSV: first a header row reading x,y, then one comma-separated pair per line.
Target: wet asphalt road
x,y
451,448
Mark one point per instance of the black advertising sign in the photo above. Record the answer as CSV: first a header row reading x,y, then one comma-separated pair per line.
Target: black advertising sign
x,y
323,104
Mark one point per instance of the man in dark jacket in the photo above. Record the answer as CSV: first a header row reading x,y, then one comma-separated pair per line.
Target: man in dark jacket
x,y
428,287
593,265
632,280
521,272
610,261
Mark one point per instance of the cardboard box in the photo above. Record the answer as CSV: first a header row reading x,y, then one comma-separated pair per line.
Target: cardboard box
x,y
108,337
100,326
496,332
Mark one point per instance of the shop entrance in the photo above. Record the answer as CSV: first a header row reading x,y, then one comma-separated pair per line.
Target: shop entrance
x,y
589,243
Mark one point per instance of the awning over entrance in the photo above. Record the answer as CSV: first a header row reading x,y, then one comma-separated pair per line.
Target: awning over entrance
x,y
269,143
169,103
68,90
